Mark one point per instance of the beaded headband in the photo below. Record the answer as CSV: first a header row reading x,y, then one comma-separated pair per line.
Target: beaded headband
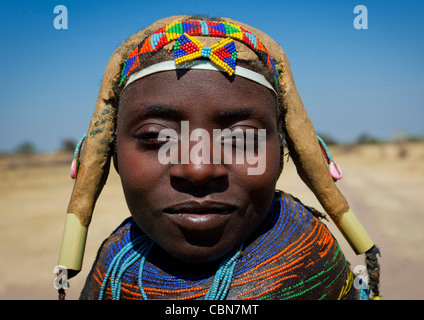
x,y
188,48
199,65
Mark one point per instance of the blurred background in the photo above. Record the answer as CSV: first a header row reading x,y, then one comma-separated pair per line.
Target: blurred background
x,y
361,87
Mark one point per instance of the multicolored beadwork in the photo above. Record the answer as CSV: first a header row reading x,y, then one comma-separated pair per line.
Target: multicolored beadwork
x,y
140,248
187,47
293,256
223,53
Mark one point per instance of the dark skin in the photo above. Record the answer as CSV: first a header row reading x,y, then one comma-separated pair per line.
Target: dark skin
x,y
195,212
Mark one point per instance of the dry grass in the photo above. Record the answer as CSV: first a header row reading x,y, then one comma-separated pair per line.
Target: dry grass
x,y
384,190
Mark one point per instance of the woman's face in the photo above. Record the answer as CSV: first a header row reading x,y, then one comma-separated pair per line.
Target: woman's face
x,y
196,211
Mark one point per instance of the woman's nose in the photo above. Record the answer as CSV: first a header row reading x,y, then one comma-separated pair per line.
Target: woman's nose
x,y
199,174
198,166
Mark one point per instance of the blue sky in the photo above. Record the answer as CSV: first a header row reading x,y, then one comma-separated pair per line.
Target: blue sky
x,y
351,81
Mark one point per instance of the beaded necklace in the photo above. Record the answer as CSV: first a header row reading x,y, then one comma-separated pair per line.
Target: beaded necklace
x,y
291,257
141,247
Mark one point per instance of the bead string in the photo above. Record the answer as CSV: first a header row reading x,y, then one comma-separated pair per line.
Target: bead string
x,y
363,294
325,150
140,275
334,168
78,147
117,268
223,277
115,264
75,162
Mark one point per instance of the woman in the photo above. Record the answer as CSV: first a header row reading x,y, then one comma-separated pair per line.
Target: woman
x,y
206,224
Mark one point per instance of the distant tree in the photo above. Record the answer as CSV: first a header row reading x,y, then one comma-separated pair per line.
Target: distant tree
x,y
68,145
366,138
25,148
401,138
415,138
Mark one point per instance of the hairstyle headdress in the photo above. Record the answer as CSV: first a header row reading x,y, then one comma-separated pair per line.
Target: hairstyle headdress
x,y
251,43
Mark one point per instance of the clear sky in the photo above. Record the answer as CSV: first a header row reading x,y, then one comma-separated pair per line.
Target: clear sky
x,y
351,81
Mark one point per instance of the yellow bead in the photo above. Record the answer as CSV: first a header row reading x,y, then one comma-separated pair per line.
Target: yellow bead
x,y
377,298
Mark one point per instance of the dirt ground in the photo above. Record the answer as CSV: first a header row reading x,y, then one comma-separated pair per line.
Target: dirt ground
x,y
384,189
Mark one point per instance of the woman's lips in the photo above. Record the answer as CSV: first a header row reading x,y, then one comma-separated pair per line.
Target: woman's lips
x,y
200,215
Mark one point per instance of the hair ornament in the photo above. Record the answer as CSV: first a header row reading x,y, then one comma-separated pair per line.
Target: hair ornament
x,y
76,162
334,169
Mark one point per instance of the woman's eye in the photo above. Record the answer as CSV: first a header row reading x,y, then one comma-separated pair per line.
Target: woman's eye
x,y
148,136
242,138
155,136
149,139
239,141
249,143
